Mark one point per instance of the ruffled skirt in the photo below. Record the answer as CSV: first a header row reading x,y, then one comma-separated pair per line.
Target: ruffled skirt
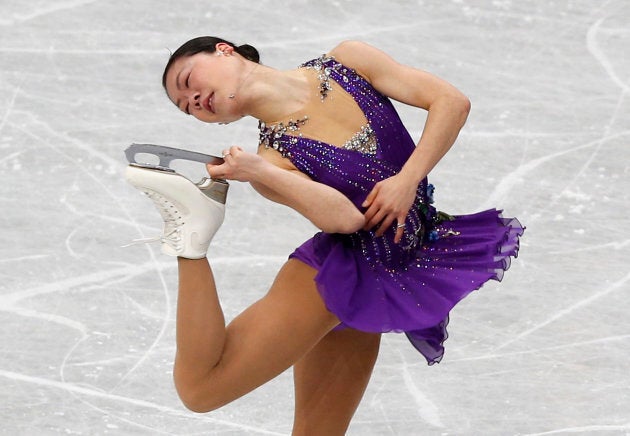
x,y
416,296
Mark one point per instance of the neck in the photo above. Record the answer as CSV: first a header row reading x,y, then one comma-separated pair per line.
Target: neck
x,y
274,94
244,81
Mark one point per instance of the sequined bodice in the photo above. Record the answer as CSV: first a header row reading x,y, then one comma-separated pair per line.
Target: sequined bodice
x,y
378,151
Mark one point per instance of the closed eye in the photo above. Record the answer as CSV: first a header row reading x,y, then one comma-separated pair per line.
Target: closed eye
x,y
183,109
187,83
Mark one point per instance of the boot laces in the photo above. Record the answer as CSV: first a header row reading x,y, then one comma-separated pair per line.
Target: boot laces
x,y
173,222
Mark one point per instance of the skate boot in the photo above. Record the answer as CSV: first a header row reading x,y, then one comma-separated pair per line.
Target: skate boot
x,y
192,213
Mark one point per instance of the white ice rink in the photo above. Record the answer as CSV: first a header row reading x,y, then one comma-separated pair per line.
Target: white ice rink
x,y
87,327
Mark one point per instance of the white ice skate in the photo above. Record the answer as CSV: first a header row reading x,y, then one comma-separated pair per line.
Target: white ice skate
x,y
192,213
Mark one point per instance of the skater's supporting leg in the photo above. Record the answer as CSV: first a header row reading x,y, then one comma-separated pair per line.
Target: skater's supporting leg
x,y
330,381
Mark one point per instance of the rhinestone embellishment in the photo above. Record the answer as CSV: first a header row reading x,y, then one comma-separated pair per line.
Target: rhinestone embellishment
x,y
323,73
363,141
269,135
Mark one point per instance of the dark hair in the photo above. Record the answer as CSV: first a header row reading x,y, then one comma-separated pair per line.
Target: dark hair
x,y
208,44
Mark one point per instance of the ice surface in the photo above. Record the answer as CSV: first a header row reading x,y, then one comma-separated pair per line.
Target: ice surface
x,y
87,331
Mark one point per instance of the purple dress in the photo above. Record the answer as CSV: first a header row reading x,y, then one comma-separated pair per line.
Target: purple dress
x,y
370,283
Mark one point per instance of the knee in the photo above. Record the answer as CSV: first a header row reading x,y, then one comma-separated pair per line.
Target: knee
x,y
193,402
198,396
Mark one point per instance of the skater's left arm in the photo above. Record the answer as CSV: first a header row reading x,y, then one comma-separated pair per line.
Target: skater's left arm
x,y
447,108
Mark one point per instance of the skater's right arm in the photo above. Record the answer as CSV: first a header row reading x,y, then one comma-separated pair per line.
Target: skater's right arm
x,y
327,208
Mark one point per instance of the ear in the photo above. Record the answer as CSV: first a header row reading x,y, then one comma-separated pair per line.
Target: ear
x,y
224,48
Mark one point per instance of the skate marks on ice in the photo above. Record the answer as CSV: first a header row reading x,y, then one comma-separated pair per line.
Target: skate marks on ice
x,y
88,327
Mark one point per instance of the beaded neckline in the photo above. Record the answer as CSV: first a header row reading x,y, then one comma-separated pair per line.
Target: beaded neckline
x,y
363,141
269,135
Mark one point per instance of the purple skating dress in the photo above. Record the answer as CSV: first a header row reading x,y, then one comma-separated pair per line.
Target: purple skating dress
x,y
368,282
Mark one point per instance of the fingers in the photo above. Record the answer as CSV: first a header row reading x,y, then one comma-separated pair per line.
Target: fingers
x,y
222,171
371,196
376,214
384,222
373,214
384,225
231,152
215,171
382,217
400,230
237,165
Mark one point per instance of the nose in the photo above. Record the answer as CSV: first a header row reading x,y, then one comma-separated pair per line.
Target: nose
x,y
194,100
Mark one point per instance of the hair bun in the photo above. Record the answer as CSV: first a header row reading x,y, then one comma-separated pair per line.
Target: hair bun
x,y
248,52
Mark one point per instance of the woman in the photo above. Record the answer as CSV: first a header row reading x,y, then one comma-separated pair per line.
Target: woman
x,y
333,148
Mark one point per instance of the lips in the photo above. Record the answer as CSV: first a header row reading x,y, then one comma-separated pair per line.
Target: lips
x,y
208,103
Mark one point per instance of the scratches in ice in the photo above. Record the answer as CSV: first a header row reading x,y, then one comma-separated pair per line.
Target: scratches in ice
x,y
598,54
50,8
87,392
546,350
127,271
588,429
620,284
519,174
426,408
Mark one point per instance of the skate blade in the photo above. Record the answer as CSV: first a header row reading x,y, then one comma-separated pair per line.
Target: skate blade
x,y
166,155
152,167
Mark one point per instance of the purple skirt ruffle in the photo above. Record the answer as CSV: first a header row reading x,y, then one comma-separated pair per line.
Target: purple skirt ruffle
x,y
416,297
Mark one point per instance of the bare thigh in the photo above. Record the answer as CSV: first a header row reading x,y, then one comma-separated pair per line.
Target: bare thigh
x,y
330,381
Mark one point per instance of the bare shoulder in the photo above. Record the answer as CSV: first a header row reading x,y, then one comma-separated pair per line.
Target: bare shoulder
x,y
366,59
403,83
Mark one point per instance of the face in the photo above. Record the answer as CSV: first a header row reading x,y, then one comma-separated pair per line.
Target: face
x,y
200,85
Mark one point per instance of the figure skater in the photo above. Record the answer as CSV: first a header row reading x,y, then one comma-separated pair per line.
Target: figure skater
x,y
333,148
